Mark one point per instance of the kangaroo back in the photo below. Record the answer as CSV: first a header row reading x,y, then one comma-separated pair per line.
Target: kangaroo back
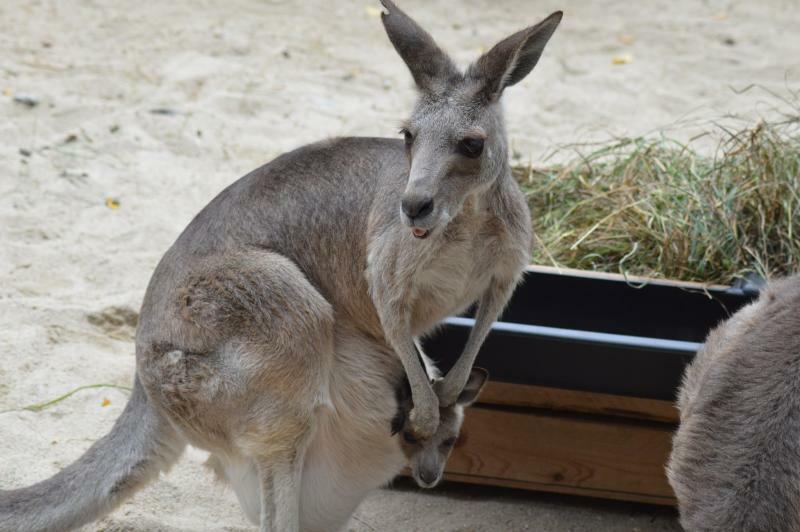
x,y
735,462
140,445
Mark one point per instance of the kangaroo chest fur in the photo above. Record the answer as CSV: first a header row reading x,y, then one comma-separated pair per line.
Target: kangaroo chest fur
x,y
453,276
447,272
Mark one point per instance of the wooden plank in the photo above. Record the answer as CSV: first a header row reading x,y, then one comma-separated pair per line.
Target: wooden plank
x,y
602,457
509,394
631,279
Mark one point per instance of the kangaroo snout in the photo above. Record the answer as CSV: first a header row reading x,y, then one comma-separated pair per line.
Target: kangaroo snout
x,y
429,478
417,210
417,207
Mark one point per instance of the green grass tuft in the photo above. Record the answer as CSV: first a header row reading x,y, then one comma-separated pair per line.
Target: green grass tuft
x,y
38,407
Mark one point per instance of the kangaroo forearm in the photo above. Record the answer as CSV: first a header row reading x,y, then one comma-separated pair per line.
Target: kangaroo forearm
x,y
397,330
417,375
398,334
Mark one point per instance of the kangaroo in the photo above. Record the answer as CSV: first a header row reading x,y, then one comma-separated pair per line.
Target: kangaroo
x,y
427,458
735,463
277,328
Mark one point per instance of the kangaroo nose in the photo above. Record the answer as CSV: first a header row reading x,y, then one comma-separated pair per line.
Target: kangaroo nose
x,y
417,207
428,477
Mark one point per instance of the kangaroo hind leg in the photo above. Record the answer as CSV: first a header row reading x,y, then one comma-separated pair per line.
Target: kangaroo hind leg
x,y
248,370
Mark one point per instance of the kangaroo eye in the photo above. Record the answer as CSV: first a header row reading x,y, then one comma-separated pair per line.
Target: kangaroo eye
x,y
409,438
449,442
408,136
471,147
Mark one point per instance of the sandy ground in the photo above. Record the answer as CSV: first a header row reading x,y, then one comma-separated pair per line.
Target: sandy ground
x,y
159,105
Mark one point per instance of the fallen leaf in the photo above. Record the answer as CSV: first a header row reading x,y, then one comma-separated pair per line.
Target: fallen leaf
x,y
105,402
112,203
373,11
622,59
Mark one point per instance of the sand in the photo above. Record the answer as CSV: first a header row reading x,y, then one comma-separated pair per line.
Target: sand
x,y
145,110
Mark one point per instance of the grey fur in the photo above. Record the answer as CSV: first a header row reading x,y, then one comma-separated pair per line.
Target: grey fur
x,y
276,329
735,463
427,458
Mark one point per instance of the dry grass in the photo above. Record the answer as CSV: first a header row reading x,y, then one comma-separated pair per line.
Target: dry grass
x,y
657,208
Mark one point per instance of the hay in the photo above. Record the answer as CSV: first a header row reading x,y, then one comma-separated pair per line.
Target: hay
x,y
657,208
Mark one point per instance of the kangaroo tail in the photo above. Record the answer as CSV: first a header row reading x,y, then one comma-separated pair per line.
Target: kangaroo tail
x,y
141,444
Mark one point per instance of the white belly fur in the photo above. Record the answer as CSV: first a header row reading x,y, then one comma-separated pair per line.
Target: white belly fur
x,y
352,451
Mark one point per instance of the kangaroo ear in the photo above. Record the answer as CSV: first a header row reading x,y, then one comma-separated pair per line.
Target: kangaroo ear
x,y
477,379
429,65
513,58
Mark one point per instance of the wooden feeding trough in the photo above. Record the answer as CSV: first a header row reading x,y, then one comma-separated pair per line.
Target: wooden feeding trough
x,y
584,371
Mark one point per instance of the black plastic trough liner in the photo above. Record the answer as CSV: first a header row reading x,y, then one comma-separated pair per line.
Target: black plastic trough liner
x,y
595,332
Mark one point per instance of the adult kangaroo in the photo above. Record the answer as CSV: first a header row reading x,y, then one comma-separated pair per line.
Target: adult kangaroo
x,y
735,463
278,328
